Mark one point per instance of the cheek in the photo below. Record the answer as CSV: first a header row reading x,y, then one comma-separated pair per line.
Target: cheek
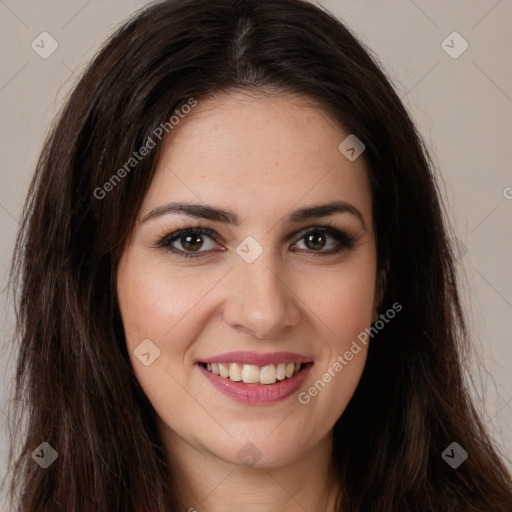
x,y
347,308
156,305
343,299
343,303
153,300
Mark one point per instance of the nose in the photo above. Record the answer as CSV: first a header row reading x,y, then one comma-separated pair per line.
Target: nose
x,y
260,302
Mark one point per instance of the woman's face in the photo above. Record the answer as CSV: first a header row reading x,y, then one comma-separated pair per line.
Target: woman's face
x,y
266,284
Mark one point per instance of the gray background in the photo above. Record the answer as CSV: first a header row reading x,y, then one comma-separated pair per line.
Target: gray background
x,y
462,107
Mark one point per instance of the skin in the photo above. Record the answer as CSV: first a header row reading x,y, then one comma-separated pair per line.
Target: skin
x,y
261,156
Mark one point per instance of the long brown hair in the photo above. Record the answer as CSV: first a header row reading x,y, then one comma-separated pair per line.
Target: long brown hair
x,y
75,388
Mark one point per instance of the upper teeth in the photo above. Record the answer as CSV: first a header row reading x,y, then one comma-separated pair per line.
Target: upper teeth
x,y
252,374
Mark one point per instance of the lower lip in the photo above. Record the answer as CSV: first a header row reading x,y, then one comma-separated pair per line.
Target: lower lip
x,y
255,394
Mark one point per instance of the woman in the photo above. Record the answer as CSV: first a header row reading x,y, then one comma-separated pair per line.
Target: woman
x,y
235,284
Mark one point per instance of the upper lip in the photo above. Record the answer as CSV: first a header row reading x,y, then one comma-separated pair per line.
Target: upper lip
x,y
257,358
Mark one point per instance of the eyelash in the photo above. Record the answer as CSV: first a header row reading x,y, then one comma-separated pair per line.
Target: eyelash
x,y
344,241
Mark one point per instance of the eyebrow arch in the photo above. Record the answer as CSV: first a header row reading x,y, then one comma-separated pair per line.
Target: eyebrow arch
x,y
229,217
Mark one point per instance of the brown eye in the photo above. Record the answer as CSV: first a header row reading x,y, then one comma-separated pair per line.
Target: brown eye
x,y
187,242
315,241
325,240
191,242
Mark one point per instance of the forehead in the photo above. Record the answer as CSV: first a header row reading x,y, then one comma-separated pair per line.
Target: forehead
x,y
260,153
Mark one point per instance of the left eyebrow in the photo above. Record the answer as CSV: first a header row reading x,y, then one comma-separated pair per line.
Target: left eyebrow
x,y
325,210
230,217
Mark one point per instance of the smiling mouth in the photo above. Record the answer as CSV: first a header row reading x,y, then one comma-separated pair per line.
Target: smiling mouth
x,y
253,374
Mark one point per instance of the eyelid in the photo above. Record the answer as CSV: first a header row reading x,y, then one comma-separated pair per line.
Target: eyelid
x,y
180,233
344,240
